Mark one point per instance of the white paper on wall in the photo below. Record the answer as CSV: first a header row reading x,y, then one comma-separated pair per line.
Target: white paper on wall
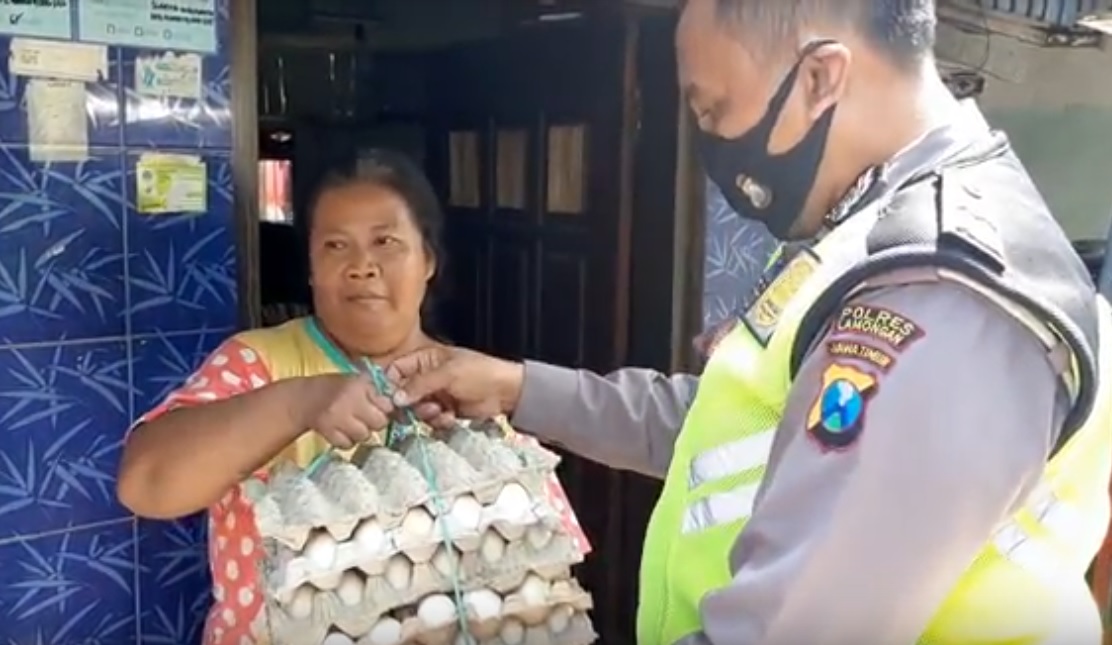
x,y
53,59
57,128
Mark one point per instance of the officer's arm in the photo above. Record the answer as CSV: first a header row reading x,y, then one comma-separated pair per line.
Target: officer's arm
x,y
860,540
627,419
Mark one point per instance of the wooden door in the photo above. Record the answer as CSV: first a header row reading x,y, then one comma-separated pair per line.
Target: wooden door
x,y
532,157
529,157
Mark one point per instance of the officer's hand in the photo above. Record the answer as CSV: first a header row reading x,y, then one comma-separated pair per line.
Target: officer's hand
x,y
345,409
441,383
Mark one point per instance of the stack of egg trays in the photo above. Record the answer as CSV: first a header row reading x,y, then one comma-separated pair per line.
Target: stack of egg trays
x,y
539,612
377,514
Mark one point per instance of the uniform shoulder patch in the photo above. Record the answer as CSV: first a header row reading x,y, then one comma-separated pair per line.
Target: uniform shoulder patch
x,y
837,416
877,323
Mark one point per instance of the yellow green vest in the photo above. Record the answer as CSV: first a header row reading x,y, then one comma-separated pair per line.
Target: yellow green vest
x,y
1024,588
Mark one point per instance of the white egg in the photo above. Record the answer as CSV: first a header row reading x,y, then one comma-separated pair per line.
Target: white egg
x,y
320,551
416,524
399,572
301,605
436,610
483,603
514,500
534,591
559,619
370,537
513,632
387,631
337,638
350,589
492,547
466,514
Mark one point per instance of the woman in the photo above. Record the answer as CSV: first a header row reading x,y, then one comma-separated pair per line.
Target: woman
x,y
374,251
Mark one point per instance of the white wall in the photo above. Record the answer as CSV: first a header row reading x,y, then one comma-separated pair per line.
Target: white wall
x,y
1056,105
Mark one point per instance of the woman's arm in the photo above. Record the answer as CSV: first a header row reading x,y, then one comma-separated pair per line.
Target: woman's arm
x,y
225,423
185,460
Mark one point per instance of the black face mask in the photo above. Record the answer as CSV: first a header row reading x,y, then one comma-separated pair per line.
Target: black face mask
x,y
761,186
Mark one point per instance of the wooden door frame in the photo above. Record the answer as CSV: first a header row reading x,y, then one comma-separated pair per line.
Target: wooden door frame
x,y
245,158
624,256
688,223
689,248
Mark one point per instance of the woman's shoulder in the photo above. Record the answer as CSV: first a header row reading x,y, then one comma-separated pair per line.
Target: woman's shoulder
x,y
287,349
260,338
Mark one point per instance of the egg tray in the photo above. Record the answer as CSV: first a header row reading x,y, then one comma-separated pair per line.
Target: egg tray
x,y
498,565
385,483
413,625
575,630
370,547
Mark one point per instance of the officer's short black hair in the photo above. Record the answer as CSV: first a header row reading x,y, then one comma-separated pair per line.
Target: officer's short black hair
x,y
903,29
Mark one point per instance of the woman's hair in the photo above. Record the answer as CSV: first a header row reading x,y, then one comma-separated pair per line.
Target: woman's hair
x,y
398,173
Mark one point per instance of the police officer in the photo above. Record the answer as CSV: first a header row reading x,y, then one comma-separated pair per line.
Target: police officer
x,y
904,440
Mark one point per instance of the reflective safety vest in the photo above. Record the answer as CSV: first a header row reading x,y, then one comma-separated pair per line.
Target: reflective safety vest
x,y
1027,585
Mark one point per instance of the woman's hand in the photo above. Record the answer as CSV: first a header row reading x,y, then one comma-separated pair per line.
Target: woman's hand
x,y
345,409
443,382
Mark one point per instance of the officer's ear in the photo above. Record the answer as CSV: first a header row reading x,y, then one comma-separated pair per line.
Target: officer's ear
x,y
823,75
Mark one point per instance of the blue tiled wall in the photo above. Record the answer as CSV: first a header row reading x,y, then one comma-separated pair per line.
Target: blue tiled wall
x,y
736,252
102,310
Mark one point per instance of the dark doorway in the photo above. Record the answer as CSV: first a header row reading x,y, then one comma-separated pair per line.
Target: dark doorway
x,y
554,149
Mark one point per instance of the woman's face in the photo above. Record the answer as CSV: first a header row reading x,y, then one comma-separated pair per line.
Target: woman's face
x,y
369,267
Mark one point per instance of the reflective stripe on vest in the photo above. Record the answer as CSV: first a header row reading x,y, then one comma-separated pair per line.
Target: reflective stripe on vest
x,y
720,462
1053,517
720,508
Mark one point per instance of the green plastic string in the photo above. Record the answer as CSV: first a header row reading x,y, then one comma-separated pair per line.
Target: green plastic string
x,y
395,432
398,431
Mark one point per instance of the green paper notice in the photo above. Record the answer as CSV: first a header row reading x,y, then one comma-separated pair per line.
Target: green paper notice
x,y
166,183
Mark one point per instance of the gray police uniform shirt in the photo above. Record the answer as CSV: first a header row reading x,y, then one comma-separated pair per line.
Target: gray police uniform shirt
x,y
887,527
947,451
